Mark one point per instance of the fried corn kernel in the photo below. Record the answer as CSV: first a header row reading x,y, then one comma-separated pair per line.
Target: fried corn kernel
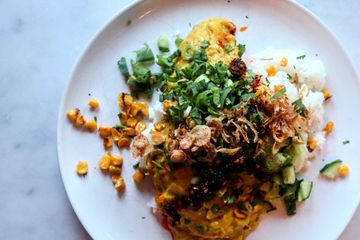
x,y
82,168
159,126
129,131
107,142
115,134
157,139
114,170
137,107
124,142
93,104
140,126
116,160
284,62
72,114
312,144
167,104
120,184
104,131
271,71
329,127
138,176
91,125
123,117
105,161
125,100
115,178
326,93
131,122
80,121
343,170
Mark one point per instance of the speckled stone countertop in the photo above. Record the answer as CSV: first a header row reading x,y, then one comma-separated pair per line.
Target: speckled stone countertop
x,y
40,42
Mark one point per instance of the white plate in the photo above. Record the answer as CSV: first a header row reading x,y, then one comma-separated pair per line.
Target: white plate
x,y
277,23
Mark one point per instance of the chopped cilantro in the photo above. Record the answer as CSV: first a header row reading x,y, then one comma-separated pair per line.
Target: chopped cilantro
x,y
346,142
140,80
241,49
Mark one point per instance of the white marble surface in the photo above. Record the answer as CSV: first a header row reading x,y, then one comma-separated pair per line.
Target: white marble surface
x,y
40,42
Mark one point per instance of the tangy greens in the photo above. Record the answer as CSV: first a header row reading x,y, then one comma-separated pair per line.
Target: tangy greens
x,y
199,90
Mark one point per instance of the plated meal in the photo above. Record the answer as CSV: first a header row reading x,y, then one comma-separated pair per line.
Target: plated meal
x,y
221,134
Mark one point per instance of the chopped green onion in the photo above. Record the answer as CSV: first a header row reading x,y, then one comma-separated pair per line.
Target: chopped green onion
x,y
144,54
178,41
228,48
123,67
301,107
158,165
279,93
204,44
163,43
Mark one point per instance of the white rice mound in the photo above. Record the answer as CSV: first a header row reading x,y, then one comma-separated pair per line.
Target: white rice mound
x,y
310,80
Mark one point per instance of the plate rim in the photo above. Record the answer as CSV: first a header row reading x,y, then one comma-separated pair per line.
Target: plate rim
x,y
96,36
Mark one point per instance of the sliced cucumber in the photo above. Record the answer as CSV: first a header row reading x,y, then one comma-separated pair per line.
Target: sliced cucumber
x,y
288,174
330,170
304,190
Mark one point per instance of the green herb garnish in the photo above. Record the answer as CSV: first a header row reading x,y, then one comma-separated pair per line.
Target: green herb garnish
x,y
158,165
204,44
279,93
300,107
346,142
228,48
242,49
123,67
163,43
178,41
144,54
301,57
